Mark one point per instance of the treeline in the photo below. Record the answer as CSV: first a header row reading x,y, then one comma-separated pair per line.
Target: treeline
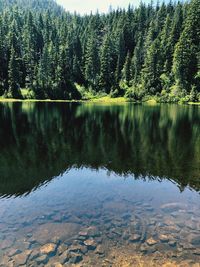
x,y
152,50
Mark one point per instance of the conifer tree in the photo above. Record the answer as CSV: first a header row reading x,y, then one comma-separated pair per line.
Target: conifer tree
x,y
50,51
152,68
13,75
126,72
92,60
185,65
106,72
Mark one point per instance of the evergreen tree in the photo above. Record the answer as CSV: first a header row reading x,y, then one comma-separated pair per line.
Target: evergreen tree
x,y
153,68
92,60
137,61
185,64
50,51
126,72
121,55
106,72
13,76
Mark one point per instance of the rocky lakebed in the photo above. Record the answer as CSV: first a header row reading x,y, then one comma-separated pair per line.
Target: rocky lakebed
x,y
117,233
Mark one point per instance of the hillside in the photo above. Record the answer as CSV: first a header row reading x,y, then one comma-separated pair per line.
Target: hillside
x,y
34,5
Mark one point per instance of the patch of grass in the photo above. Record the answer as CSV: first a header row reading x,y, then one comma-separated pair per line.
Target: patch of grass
x,y
194,103
91,98
37,100
108,99
151,102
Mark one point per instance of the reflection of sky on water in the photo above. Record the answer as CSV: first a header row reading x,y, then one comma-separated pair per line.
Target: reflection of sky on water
x,y
85,186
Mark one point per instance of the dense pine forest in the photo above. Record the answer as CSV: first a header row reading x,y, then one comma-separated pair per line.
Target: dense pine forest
x,y
145,51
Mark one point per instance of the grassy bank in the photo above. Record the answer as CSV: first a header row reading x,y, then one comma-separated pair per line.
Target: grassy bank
x,y
194,103
98,100
105,99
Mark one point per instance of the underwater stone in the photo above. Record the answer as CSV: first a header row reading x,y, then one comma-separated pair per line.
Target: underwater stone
x,y
6,244
75,258
151,241
48,249
171,207
13,252
134,238
64,257
163,238
90,243
42,259
21,259
99,250
194,239
78,248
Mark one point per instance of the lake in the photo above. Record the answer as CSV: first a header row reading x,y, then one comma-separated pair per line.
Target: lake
x,y
99,185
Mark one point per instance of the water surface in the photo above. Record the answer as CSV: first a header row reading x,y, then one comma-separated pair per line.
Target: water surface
x,y
99,185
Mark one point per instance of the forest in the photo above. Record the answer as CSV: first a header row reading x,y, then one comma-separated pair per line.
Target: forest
x,y
141,52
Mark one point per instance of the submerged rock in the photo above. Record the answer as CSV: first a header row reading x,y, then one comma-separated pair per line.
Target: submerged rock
x,y
49,249
171,207
172,243
13,252
64,257
135,238
196,251
35,254
163,238
90,243
194,239
62,248
57,264
100,250
6,244
151,241
21,259
93,231
6,261
79,249
70,257
83,233
126,235
144,248
75,258
54,232
42,259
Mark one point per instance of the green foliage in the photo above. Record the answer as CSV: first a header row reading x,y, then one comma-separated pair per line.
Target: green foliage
x,y
186,58
13,76
135,93
27,94
138,52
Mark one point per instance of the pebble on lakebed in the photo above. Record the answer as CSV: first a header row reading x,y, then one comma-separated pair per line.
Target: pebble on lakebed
x,y
48,249
90,243
163,238
151,241
134,238
21,259
171,207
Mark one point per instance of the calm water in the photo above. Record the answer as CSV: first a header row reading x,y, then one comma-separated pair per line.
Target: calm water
x,y
94,185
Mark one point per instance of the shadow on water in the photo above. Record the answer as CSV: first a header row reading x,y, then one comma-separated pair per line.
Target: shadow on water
x,y
40,141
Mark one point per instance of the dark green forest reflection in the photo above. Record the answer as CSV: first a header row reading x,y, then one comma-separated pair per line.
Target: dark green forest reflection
x,y
39,141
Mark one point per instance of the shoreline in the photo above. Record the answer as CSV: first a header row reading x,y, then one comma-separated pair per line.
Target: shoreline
x,y
100,100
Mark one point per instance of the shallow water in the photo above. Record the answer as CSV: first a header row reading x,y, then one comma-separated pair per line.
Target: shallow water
x,y
99,185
